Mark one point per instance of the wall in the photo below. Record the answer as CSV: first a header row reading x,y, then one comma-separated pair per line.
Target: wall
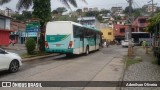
x,y
106,35
117,29
4,34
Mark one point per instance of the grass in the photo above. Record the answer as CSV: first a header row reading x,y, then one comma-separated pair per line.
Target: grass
x,y
26,55
132,60
155,61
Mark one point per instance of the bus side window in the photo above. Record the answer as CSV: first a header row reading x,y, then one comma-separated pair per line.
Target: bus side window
x,y
76,32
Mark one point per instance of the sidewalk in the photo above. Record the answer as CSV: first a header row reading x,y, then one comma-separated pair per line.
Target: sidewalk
x,y
15,47
142,71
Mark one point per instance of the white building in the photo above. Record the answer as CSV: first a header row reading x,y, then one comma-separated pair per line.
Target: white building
x,y
89,21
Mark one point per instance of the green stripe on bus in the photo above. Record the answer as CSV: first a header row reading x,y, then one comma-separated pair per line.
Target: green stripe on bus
x,y
56,38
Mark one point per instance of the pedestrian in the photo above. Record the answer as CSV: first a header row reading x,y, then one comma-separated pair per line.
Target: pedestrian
x,y
144,44
13,42
107,44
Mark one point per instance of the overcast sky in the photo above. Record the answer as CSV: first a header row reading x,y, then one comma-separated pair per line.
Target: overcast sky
x,y
91,3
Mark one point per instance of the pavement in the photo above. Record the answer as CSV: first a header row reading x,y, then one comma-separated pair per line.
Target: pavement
x,y
143,71
103,65
15,47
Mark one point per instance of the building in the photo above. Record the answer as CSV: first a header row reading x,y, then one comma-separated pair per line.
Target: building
x,y
86,9
148,8
120,31
89,22
8,12
18,27
116,10
140,23
4,30
120,22
108,34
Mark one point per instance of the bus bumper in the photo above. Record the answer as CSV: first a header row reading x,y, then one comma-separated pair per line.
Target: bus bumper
x,y
59,50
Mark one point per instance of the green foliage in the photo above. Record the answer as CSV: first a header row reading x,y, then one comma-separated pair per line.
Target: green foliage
x,y
132,60
92,13
79,11
30,45
18,17
27,14
42,10
153,21
22,17
61,10
54,12
104,11
127,10
66,18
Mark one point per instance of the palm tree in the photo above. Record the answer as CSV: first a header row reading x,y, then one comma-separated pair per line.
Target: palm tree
x,y
25,4
41,10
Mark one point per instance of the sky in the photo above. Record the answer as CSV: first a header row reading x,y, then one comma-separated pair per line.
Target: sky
x,y
107,4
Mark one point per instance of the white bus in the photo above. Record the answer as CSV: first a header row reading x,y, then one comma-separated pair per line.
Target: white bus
x,y
71,38
139,37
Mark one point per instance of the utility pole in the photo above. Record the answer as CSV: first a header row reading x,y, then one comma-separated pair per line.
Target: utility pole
x,y
130,48
152,8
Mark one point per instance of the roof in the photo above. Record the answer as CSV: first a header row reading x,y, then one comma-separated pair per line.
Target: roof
x,y
74,23
5,16
68,22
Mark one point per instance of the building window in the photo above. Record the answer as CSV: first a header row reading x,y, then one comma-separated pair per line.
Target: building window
x,y
142,20
109,33
132,30
122,30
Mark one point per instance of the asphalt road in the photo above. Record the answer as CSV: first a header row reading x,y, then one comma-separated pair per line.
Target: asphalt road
x,y
103,65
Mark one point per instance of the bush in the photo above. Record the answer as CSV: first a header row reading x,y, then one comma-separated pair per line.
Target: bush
x,y
30,45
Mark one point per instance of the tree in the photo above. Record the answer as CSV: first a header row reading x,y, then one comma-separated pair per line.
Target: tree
x,y
41,10
22,17
104,11
92,13
79,11
61,10
18,17
127,10
27,14
54,12
153,21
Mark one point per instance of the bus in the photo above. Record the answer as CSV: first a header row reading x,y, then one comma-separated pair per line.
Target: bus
x,y
139,37
70,38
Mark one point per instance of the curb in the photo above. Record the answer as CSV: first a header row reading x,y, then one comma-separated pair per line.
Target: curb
x,y
38,57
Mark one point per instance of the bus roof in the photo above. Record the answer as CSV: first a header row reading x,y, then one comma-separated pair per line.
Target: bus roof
x,y
68,22
77,24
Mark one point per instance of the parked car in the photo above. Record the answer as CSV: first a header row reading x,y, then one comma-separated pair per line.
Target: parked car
x,y
125,43
9,61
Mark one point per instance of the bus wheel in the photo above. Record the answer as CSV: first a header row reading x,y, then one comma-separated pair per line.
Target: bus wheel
x,y
87,50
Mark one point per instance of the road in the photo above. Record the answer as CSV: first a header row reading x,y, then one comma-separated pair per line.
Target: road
x,y
103,65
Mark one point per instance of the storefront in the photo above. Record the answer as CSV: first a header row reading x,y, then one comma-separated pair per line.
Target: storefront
x,y
4,37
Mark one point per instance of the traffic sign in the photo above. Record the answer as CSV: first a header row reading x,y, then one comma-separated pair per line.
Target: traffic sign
x,y
32,27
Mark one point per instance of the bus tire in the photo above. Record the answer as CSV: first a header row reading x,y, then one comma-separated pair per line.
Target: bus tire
x,y
87,50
